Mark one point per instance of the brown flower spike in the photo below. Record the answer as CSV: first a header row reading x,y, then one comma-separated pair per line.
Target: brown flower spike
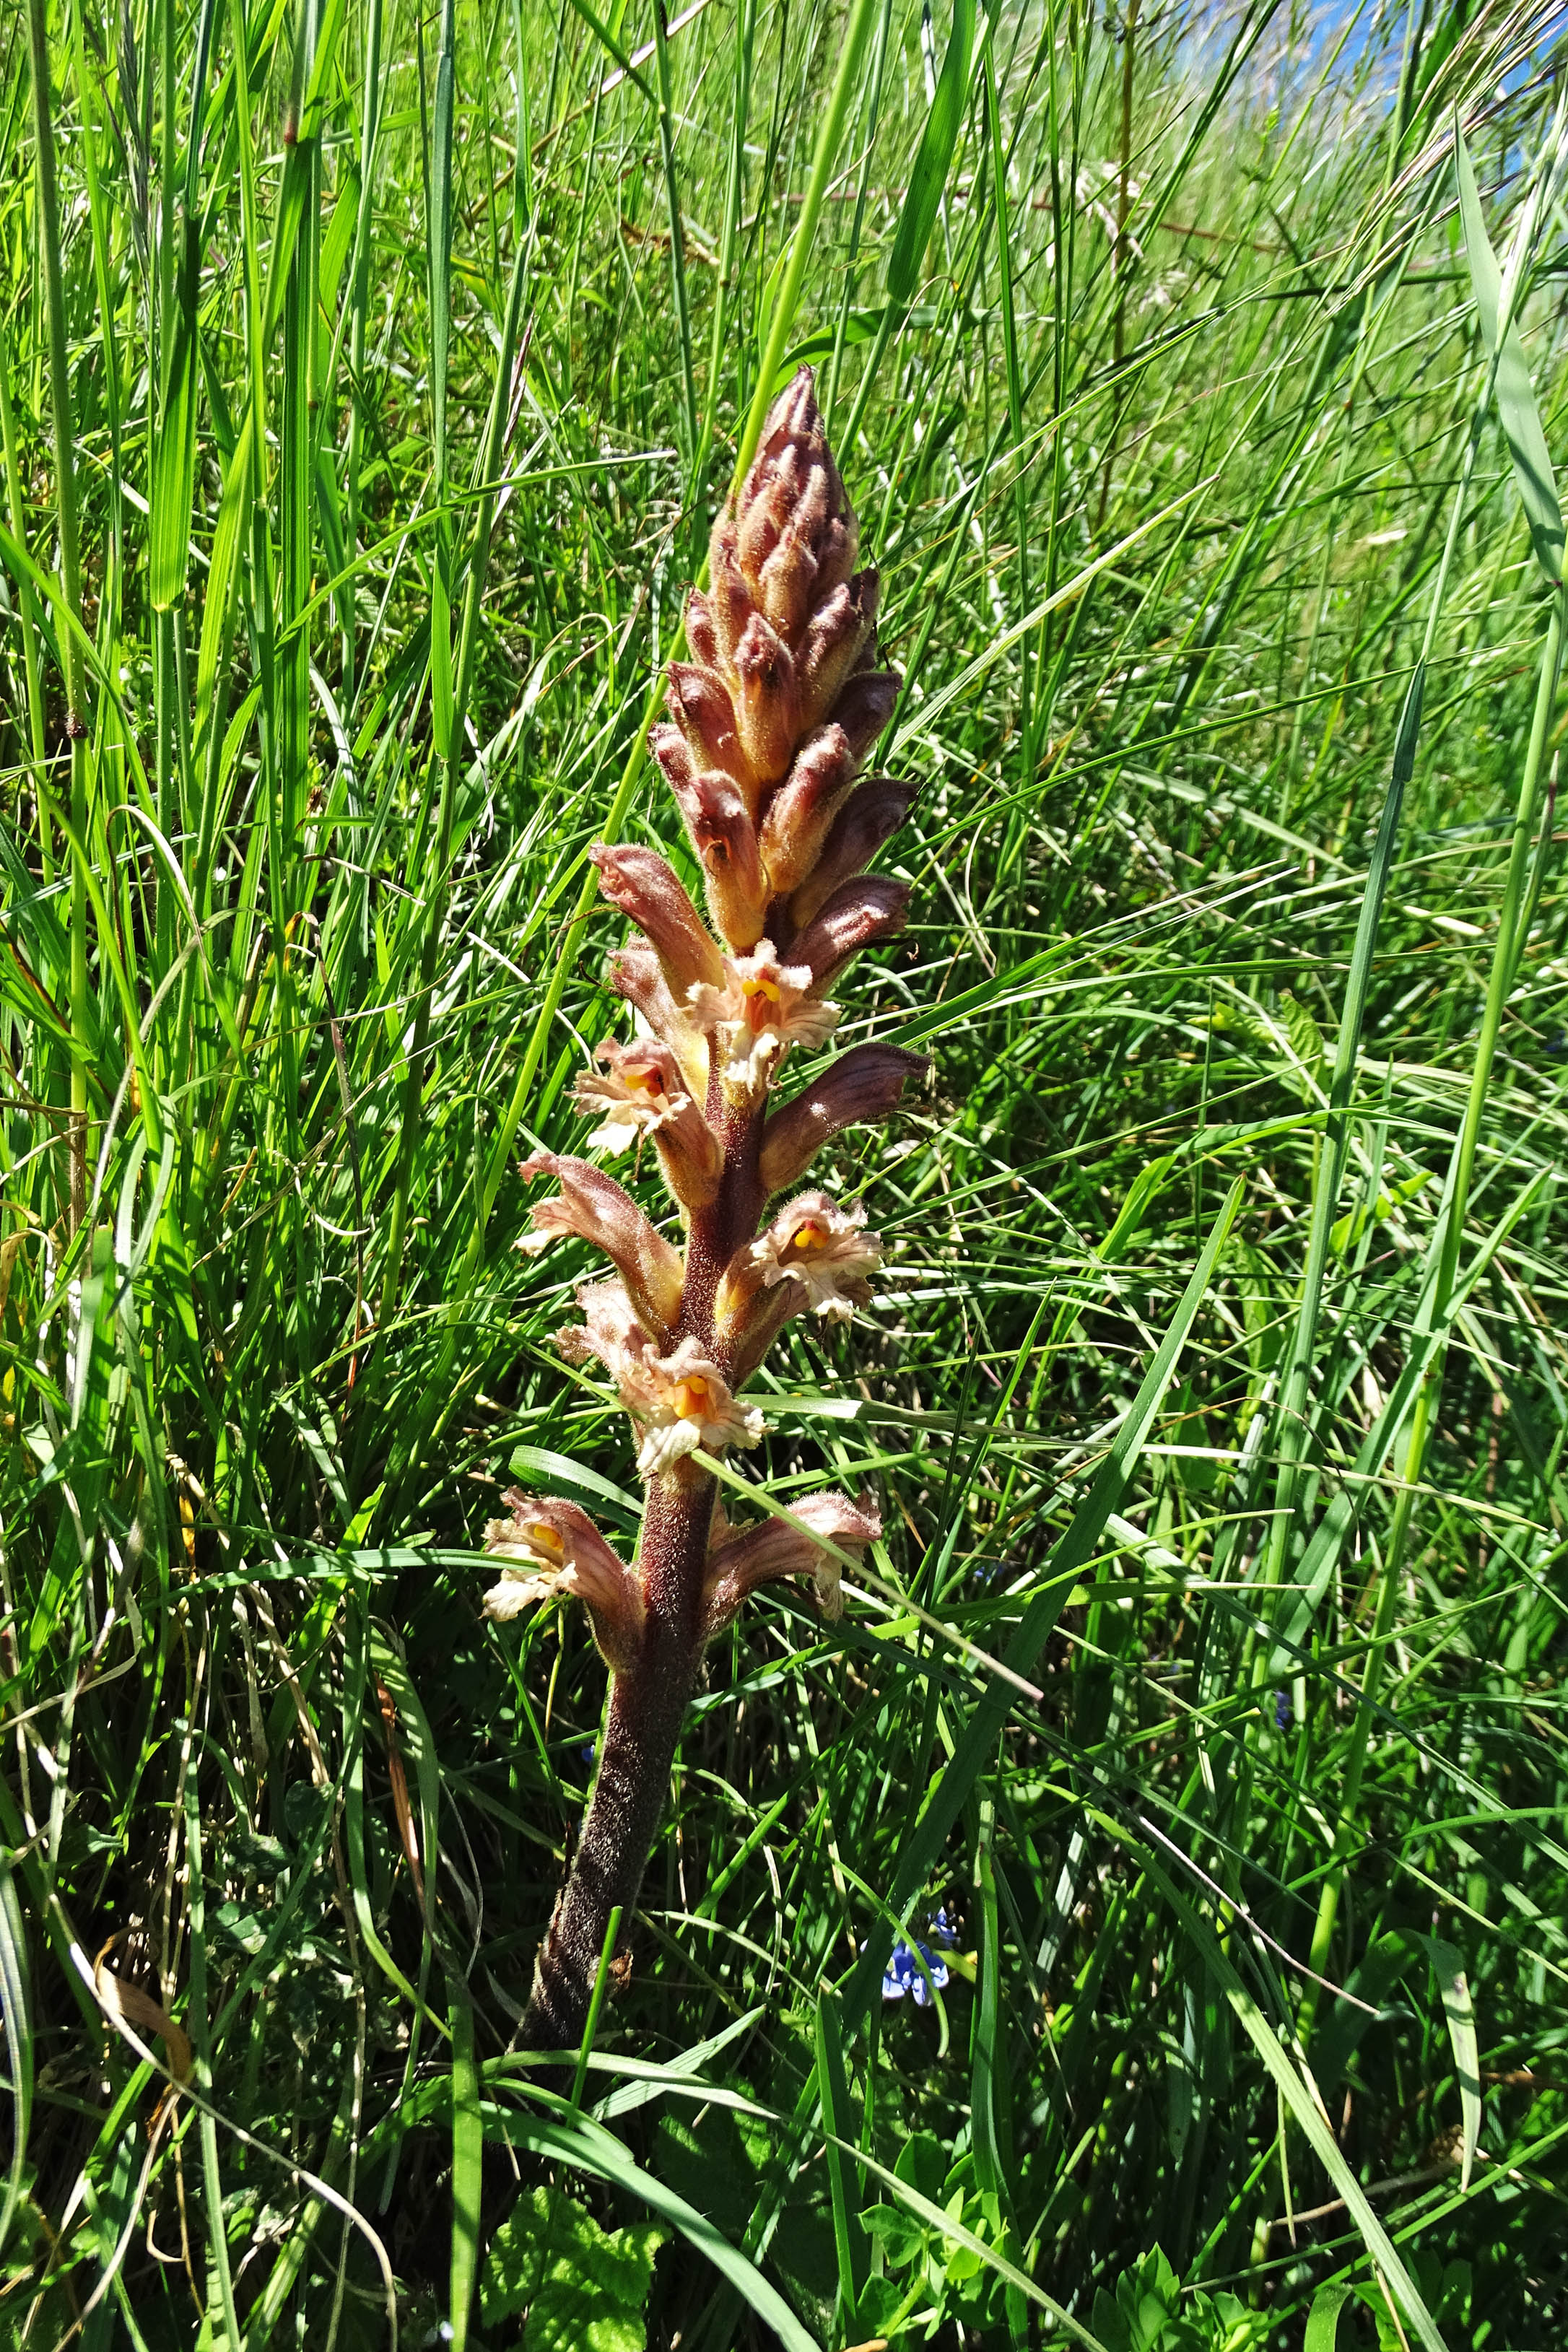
x,y
769,723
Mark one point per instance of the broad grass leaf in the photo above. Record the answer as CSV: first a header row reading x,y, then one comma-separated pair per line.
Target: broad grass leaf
x,y
1323,2325
1515,394
17,2021
175,461
1460,2013
932,162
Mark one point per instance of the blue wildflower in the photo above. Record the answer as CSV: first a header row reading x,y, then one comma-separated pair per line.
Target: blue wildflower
x,y
906,1974
1284,1714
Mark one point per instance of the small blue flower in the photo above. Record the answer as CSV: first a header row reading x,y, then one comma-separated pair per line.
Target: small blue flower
x,y
942,1929
903,1974
1284,1714
588,1750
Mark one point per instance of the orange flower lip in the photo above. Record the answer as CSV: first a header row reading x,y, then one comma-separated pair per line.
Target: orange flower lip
x,y
762,997
809,1235
644,1082
692,1398
544,1538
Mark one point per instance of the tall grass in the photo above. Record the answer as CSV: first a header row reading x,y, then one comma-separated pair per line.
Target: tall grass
x,y
369,379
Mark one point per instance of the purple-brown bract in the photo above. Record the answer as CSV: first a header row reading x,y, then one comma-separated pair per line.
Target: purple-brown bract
x,y
769,724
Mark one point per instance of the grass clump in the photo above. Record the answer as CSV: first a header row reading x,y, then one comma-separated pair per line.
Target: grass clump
x,y
370,385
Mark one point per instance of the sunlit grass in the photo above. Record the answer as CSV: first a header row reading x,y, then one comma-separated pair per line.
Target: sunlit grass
x,y
388,430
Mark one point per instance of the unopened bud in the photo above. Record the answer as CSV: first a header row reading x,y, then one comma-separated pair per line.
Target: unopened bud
x,y
839,630
702,634
861,911
698,702
862,1085
765,699
643,886
870,817
803,807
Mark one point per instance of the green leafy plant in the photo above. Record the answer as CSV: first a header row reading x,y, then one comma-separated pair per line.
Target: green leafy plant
x,y
578,2288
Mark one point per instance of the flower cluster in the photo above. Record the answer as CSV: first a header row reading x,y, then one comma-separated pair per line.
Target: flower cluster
x,y
769,724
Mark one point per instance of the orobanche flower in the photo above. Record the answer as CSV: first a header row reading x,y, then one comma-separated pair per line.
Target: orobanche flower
x,y
760,1006
681,1401
609,1330
552,1548
743,1557
769,720
825,1249
644,1093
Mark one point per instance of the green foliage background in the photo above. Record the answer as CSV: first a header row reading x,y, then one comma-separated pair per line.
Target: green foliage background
x,y
371,378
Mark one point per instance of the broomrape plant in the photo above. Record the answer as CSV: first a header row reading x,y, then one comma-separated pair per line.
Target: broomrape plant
x,y
769,725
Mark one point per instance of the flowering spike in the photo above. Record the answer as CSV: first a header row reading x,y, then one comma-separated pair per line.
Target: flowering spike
x,y
770,720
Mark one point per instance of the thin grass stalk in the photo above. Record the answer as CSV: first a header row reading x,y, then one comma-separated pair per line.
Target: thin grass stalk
x,y
676,234
723,307
262,567
28,618
446,725
870,120
359,314
80,999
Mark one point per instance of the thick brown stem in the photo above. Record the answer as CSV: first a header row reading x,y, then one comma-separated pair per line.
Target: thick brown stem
x,y
728,1223
646,1707
647,1704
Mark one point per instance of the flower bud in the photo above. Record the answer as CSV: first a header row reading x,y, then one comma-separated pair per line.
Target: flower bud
x,y
869,908
730,597
593,1206
702,634
803,807
742,1558
865,707
721,833
870,817
793,477
699,704
862,1085
645,886
766,711
838,632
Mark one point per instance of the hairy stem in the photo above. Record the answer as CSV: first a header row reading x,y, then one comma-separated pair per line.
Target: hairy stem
x,y
635,1753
